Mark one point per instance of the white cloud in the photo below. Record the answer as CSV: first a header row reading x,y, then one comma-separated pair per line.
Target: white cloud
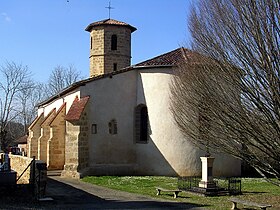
x,y
6,17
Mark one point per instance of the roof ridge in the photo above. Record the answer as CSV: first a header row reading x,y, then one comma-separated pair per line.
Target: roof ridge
x,y
168,58
109,21
174,60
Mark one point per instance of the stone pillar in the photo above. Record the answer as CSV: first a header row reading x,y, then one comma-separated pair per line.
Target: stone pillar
x,y
56,142
71,166
43,147
76,140
207,173
34,134
32,140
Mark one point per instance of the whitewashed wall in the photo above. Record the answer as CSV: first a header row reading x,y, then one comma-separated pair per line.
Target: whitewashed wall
x,y
112,98
68,98
168,152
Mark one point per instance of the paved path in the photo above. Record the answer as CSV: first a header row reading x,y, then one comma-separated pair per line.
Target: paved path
x,y
75,194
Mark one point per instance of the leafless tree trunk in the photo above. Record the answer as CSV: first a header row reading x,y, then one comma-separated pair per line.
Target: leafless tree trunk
x,y
230,101
14,79
27,99
60,78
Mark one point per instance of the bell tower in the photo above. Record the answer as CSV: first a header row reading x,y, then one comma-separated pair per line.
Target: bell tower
x,y
110,46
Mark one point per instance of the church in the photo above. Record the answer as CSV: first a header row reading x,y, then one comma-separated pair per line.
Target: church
x,y
118,121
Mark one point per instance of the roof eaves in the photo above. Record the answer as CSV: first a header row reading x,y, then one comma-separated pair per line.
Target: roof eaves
x,y
76,109
109,22
78,84
58,112
49,115
63,91
35,120
153,66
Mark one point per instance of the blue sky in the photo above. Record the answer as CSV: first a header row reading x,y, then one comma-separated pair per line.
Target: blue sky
x,y
45,33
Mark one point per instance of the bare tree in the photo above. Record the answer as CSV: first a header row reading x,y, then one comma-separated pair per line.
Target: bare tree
x,y
230,101
61,77
14,79
27,99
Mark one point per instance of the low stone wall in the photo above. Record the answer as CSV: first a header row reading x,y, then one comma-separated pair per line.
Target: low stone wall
x,y
19,164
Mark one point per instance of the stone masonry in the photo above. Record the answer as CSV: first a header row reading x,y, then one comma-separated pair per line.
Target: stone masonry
x,y
43,148
19,164
56,142
102,58
77,150
34,134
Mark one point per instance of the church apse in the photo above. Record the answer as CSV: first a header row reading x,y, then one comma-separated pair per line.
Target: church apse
x,y
166,152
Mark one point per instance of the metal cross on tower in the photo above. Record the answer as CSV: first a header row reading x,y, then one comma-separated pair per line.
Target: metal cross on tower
x,y
109,8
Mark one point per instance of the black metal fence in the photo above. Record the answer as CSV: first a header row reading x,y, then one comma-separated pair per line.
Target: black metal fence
x,y
234,186
230,185
188,182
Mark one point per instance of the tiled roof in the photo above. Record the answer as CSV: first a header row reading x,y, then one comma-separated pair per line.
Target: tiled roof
x,y
22,140
172,58
109,22
76,109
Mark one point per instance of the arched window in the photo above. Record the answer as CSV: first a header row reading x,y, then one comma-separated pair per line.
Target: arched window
x,y
114,42
141,124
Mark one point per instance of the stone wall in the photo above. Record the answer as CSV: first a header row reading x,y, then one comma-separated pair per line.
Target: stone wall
x,y
19,164
77,149
102,57
122,56
34,134
43,149
56,142
83,142
71,151
97,52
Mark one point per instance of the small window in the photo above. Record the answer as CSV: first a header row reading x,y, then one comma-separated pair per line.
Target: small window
x,y
94,129
141,124
115,67
91,42
113,129
114,40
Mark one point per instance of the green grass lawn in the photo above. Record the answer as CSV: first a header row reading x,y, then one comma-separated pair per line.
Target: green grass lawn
x,y
254,189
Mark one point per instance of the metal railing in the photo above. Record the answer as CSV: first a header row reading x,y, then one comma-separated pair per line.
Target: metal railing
x,y
32,162
37,179
230,185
